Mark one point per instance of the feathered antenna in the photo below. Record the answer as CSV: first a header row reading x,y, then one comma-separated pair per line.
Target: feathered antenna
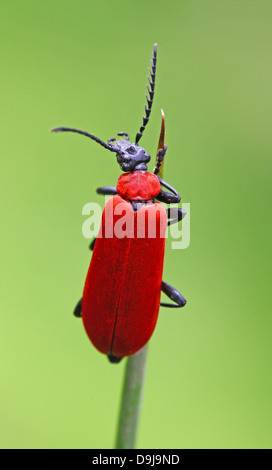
x,y
99,141
152,71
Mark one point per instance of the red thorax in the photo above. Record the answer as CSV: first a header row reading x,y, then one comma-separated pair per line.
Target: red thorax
x,y
138,186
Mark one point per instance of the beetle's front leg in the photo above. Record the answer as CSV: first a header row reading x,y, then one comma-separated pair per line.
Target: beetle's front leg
x,y
165,196
107,190
173,294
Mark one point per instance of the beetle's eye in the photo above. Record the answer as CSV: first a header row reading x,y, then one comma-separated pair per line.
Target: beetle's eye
x,y
131,150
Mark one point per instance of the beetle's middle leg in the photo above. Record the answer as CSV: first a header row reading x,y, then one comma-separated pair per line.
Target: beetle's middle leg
x,y
175,214
173,294
107,190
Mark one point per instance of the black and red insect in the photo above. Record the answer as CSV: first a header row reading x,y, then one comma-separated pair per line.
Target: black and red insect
x,y
122,292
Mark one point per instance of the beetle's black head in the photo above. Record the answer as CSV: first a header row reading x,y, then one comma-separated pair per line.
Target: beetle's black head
x,y
130,156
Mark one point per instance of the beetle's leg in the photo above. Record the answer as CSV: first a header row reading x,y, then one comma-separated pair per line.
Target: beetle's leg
x,y
107,190
77,311
175,214
91,246
168,198
114,359
173,294
165,196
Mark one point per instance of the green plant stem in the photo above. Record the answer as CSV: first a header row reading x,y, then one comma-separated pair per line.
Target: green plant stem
x,y
131,400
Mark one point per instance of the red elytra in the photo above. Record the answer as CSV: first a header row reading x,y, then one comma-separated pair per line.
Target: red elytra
x,y
130,268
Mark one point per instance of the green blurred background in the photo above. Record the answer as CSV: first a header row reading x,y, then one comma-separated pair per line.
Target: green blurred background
x,y
84,64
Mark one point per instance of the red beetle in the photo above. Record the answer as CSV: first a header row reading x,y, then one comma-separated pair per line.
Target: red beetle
x,y
121,297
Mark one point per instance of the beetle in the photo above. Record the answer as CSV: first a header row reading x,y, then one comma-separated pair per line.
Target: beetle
x,y
121,296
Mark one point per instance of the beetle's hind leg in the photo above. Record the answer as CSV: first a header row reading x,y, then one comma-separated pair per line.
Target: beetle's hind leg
x,y
91,246
77,311
114,359
173,294
168,197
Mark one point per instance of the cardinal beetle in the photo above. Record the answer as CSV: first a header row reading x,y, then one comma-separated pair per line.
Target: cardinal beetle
x,y
122,291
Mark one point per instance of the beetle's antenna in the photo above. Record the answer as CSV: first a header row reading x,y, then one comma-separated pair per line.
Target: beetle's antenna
x,y
152,71
99,141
